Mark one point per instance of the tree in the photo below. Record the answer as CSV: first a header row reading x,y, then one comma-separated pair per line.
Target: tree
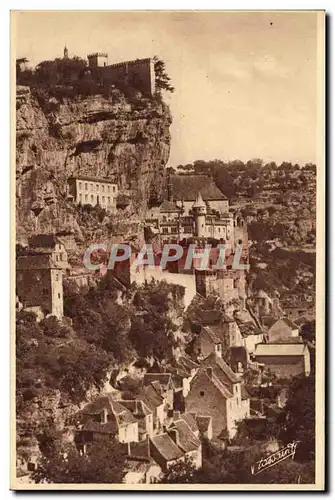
x,y
161,76
102,464
59,71
180,472
300,417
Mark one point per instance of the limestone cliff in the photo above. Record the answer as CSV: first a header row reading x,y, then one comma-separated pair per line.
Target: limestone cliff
x,y
110,137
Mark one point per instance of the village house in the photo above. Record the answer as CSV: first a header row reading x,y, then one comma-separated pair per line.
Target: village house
x,y
282,328
106,419
187,441
216,392
163,384
284,360
140,467
152,397
143,415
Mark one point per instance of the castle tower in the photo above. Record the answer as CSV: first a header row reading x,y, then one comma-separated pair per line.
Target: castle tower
x,y
66,52
200,210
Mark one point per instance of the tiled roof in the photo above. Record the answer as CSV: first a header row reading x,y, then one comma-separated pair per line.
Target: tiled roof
x,y
209,317
219,385
191,422
150,397
280,349
187,362
108,428
137,407
213,337
187,187
187,440
167,447
169,206
220,366
122,414
162,378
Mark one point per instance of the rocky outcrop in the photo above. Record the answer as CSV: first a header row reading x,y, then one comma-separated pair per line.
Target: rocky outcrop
x,y
128,143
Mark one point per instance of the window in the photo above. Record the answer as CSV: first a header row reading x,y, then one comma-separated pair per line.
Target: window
x,y
108,187
202,393
97,187
219,229
113,189
57,277
165,230
103,200
79,185
56,257
86,197
80,197
61,256
91,187
109,200
92,198
103,188
86,186
59,295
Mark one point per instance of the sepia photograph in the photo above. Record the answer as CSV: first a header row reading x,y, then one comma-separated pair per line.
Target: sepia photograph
x,y
167,257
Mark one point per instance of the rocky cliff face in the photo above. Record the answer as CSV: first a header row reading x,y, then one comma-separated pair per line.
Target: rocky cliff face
x,y
128,143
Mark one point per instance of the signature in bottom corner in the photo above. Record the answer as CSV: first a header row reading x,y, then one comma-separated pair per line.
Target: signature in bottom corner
x,y
273,459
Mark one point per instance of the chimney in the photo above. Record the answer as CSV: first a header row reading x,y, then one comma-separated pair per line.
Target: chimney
x,y
174,435
104,416
210,372
176,415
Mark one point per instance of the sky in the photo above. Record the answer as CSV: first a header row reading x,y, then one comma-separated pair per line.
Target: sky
x,y
245,82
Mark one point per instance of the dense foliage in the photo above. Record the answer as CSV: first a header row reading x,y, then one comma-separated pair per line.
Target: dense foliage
x,y
101,464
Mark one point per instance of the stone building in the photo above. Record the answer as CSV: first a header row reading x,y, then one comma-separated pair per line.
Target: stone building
x,y
216,392
284,360
39,283
93,191
139,74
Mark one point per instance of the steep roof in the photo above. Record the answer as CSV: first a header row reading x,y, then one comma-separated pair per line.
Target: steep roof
x,y
163,378
186,187
187,440
203,379
150,397
137,407
169,206
280,349
122,415
199,202
191,422
166,447
220,368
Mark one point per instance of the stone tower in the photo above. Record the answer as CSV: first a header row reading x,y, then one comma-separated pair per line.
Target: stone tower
x,y
200,210
66,52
